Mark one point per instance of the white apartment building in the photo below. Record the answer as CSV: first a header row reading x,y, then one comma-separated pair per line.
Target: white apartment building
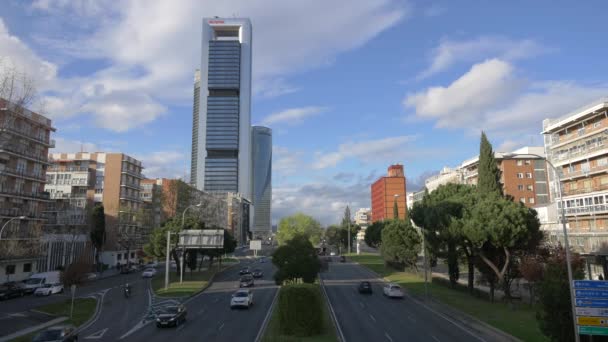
x,y
446,175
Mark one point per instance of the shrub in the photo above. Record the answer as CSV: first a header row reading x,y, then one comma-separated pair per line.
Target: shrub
x,y
300,310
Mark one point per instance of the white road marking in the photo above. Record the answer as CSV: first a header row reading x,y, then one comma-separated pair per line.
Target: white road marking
x,y
388,336
96,335
180,327
411,318
435,338
362,305
372,317
201,311
221,326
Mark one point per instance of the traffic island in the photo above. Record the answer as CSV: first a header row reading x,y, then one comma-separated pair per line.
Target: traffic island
x,y
193,282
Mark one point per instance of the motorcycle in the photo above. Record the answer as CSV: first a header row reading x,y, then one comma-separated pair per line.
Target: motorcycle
x,y
127,291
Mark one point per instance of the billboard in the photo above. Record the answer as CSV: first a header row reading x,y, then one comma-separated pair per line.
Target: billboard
x,y
255,245
205,238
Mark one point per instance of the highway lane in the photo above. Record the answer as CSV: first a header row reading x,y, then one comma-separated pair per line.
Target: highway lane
x,y
378,318
210,317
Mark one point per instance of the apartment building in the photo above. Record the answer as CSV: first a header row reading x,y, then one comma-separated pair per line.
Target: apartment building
x,y
363,218
388,190
112,179
576,145
446,175
151,195
24,143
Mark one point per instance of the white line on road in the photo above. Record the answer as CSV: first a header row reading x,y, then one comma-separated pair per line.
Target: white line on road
x,y
435,338
201,312
221,327
180,327
362,305
372,317
411,318
388,336
267,318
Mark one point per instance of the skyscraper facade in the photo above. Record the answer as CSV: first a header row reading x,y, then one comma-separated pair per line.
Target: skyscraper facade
x,y
262,180
221,141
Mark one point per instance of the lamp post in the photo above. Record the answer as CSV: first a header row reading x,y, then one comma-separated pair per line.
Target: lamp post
x,y
181,273
566,243
348,225
169,249
7,222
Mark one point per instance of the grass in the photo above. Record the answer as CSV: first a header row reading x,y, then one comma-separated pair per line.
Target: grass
x,y
229,260
273,331
519,322
84,308
193,282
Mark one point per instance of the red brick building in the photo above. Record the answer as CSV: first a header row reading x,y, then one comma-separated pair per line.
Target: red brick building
x,y
387,190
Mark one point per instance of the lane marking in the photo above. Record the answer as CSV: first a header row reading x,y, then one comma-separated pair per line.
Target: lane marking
x,y
258,338
372,317
435,338
201,311
180,327
96,335
362,305
221,326
411,318
331,310
388,336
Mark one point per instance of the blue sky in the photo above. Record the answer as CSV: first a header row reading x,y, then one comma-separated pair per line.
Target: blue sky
x,y
348,87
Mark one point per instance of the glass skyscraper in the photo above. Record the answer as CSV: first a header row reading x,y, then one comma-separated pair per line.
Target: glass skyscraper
x,y
262,180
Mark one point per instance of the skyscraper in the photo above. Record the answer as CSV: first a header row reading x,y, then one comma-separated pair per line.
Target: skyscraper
x,y
221,139
262,180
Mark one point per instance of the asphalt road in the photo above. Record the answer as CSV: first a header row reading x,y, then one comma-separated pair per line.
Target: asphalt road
x,y
378,318
210,317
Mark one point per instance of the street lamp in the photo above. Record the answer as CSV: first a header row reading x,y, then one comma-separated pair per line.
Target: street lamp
x,y
7,222
566,243
168,248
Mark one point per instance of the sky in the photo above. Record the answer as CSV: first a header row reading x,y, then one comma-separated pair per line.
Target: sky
x,y
348,86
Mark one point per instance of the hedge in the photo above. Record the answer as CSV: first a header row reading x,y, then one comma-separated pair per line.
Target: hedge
x,y
300,310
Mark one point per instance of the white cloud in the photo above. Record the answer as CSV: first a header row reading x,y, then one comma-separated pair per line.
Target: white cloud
x,y
484,86
293,116
390,149
450,52
286,162
165,164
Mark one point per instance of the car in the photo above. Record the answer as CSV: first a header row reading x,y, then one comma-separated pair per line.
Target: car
x,y
152,264
125,270
11,290
257,273
393,291
89,276
246,281
37,280
65,332
148,273
173,264
365,287
342,258
49,289
262,260
244,270
171,315
332,254
241,298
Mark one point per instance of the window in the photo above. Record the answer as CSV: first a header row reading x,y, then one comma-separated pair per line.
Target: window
x,y
21,165
530,187
520,187
597,124
528,174
531,200
27,267
587,184
598,200
602,162
132,255
588,201
520,175
520,162
527,162
571,169
118,256
126,255
604,180
522,200
573,186
9,269
579,202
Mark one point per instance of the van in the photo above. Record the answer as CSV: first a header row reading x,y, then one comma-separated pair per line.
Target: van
x,y
39,279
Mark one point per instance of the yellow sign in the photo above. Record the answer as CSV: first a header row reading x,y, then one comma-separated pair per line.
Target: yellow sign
x,y
596,321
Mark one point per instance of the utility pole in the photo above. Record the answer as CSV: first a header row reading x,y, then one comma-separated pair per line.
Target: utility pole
x,y
167,261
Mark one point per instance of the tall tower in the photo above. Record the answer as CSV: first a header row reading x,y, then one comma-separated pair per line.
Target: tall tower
x,y
223,146
195,123
262,180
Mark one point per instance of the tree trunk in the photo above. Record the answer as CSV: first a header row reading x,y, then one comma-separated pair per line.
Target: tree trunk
x,y
491,291
176,259
453,264
499,273
471,280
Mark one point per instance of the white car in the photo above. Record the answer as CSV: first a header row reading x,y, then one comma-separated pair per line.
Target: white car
x,y
148,273
241,298
332,254
152,264
49,289
393,291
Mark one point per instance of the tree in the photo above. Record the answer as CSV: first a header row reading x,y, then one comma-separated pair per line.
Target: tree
x,y
531,270
333,236
395,210
373,234
299,223
98,230
488,180
296,259
554,314
346,220
400,243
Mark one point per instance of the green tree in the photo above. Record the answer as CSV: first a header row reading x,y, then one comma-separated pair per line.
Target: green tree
x,y
373,234
488,180
400,243
98,230
296,259
333,236
299,223
395,210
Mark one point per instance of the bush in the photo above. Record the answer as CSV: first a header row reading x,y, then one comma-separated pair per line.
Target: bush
x,y
300,310
75,272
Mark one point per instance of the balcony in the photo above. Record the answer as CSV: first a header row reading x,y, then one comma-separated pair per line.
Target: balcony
x,y
133,173
583,151
19,151
23,174
67,169
584,173
28,134
59,195
130,198
586,190
131,185
588,210
15,212
44,196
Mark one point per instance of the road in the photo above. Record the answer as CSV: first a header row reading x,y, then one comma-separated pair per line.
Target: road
x,y
378,318
210,317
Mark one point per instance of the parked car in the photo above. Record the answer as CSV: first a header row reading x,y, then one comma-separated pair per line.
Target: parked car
x,y
90,276
125,270
65,332
332,254
152,264
39,279
244,271
393,291
49,289
365,287
262,260
342,258
172,315
241,298
148,273
11,290
246,281
257,273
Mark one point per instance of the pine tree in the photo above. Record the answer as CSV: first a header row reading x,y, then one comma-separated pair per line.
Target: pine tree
x,y
395,210
488,179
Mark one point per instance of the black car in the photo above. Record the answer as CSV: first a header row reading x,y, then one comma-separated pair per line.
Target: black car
x,y
342,258
11,291
57,333
257,273
365,287
246,281
171,316
244,271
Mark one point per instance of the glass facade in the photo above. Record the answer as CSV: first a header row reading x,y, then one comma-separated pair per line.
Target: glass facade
x,y
262,178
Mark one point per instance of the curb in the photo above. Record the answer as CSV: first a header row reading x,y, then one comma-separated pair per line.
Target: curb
x,y
262,330
96,315
32,329
451,311
334,319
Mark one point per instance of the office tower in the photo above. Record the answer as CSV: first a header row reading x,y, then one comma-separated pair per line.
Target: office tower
x,y
195,123
388,190
262,180
221,137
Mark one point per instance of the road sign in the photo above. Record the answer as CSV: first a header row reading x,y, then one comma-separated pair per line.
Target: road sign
x,y
592,303
591,284
599,293
595,321
204,238
255,245
597,312
593,330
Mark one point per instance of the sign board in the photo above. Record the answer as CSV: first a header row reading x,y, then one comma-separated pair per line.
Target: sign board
x,y
255,245
595,321
204,238
593,330
592,303
600,293
597,312
591,284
